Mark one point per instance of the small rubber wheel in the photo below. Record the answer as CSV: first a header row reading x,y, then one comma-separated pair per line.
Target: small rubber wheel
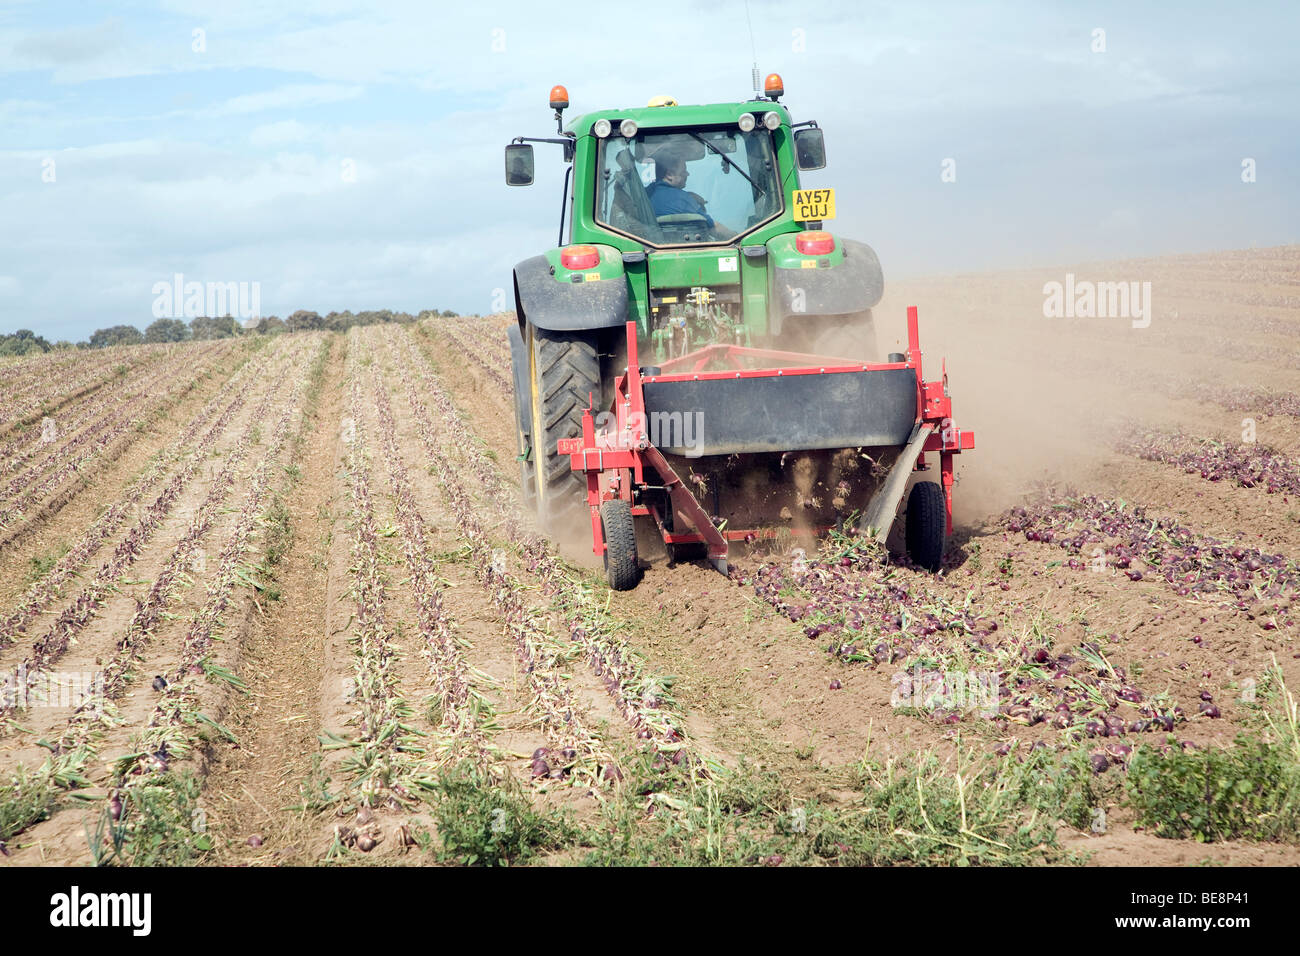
x,y
621,567
927,524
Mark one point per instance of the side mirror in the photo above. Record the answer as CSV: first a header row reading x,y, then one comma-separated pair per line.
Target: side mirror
x,y
809,148
519,164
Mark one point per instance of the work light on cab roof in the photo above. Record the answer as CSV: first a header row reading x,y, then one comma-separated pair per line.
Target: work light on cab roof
x,y
695,358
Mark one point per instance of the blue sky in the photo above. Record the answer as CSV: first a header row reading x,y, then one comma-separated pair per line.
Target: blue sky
x,y
348,154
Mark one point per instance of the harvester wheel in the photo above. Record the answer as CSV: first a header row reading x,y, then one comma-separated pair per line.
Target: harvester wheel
x,y
621,567
564,373
927,524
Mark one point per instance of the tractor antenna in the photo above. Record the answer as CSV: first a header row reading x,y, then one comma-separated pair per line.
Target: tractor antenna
x,y
758,86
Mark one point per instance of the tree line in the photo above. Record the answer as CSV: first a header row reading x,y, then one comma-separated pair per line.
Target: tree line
x,y
26,342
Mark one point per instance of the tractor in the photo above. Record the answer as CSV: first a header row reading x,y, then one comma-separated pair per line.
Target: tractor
x,y
696,357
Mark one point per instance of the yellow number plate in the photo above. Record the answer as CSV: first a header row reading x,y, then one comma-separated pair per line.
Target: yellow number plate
x,y
814,204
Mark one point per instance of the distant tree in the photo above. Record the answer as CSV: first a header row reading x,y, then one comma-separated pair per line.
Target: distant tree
x,y
269,325
303,321
340,321
166,330
23,342
449,314
116,335
202,328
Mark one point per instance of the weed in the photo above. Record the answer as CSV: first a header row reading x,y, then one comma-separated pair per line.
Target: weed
x,y
485,825
159,824
24,800
1249,791
41,565
277,531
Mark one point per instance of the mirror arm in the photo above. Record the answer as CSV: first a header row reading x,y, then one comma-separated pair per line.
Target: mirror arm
x,y
567,142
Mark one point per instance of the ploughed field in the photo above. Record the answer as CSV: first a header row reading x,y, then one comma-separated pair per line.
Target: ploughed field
x,y
275,601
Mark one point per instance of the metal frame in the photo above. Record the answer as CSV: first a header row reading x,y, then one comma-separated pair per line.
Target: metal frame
x,y
614,460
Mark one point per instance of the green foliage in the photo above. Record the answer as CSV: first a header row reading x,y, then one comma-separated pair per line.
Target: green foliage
x,y
203,327
24,800
916,810
277,531
23,342
41,564
116,335
482,823
166,330
269,325
1251,791
160,825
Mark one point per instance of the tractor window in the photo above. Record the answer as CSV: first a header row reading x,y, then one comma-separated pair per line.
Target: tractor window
x,y
697,186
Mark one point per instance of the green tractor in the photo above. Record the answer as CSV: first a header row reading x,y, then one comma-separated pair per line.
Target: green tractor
x,y
698,290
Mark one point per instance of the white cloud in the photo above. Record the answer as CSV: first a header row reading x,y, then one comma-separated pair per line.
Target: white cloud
x,y
279,134
286,98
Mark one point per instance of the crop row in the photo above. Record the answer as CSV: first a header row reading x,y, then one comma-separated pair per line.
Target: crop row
x,y
1239,398
386,758
462,708
78,378
575,752
72,458
149,611
169,734
71,754
54,642
875,614
44,591
1250,465
1102,532
101,411
474,348
641,699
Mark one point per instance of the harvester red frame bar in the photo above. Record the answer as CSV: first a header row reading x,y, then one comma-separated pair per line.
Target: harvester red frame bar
x,y
614,461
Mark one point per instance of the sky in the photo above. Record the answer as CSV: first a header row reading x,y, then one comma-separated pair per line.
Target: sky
x,y
340,155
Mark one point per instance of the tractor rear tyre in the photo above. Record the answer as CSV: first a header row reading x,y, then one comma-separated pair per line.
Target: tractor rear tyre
x,y
621,566
927,524
564,376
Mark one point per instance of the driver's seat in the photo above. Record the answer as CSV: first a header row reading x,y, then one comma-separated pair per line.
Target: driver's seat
x,y
631,200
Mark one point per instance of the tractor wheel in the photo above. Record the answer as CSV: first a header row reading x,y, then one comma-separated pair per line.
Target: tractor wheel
x,y
564,375
927,524
621,567
523,419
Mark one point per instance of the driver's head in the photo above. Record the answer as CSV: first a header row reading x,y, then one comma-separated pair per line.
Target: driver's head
x,y
671,169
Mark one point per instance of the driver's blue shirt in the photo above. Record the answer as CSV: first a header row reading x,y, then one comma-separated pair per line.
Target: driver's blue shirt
x,y
669,200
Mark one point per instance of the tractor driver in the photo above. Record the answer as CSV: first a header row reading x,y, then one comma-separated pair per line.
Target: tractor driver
x,y
668,197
